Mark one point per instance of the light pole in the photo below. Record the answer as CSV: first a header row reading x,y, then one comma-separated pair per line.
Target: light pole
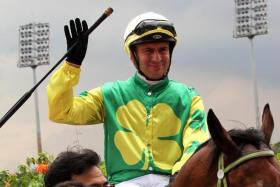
x,y
34,51
251,20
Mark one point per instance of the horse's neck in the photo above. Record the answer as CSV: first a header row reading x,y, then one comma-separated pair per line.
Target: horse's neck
x,y
206,160
202,165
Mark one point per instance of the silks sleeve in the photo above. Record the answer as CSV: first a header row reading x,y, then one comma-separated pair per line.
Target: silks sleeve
x,y
64,107
195,132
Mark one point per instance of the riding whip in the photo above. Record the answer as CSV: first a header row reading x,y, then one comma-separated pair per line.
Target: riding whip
x,y
27,94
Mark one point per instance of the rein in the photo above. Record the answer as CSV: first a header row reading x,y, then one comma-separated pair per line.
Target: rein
x,y
222,181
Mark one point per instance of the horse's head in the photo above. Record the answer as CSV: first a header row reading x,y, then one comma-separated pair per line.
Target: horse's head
x,y
235,158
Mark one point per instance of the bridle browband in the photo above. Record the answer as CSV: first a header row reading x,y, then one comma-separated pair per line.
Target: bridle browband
x,y
222,182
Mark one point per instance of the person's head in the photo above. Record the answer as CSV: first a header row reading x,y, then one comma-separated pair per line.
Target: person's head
x,y
149,40
80,166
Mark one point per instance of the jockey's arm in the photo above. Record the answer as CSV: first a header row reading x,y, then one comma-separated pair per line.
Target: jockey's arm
x,y
195,132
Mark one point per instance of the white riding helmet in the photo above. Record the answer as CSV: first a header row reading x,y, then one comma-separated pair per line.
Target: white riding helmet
x,y
149,27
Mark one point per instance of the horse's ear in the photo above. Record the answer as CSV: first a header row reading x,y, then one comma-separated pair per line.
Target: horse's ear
x,y
267,123
220,136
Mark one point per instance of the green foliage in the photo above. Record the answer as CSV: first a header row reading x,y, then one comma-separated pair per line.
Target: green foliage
x,y
276,149
103,168
29,174
278,157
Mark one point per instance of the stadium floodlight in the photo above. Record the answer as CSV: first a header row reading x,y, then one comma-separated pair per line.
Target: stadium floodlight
x,y
33,45
251,20
34,51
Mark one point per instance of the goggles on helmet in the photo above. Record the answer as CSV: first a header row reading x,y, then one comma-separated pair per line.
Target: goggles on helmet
x,y
148,25
148,30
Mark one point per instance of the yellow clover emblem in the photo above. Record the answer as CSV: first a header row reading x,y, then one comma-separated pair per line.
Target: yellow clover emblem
x,y
144,134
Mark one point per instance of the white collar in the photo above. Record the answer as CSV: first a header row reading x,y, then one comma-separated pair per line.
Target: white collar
x,y
147,81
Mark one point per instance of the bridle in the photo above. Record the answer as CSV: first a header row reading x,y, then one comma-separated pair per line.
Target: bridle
x,y
222,181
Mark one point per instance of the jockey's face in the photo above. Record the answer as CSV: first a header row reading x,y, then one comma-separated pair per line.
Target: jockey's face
x,y
153,58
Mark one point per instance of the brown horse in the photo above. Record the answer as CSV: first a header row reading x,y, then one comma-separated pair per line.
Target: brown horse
x,y
238,158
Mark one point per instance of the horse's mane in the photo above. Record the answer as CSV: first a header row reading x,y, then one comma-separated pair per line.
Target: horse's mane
x,y
242,137
248,136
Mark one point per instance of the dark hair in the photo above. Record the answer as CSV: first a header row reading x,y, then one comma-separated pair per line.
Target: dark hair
x,y
70,163
69,184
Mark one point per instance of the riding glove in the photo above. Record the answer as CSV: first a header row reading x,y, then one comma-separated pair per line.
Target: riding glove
x,y
77,54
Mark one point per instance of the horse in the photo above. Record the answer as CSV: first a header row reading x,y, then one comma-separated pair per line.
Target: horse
x,y
237,158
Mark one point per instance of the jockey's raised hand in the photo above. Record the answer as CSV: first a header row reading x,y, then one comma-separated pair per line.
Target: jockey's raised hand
x,y
77,29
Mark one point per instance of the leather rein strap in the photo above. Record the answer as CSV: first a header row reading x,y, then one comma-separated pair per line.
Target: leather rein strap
x,y
222,181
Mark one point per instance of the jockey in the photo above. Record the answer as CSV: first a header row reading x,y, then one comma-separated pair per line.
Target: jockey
x,y
152,125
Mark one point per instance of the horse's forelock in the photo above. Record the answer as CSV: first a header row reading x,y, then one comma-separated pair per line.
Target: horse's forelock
x,y
248,136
